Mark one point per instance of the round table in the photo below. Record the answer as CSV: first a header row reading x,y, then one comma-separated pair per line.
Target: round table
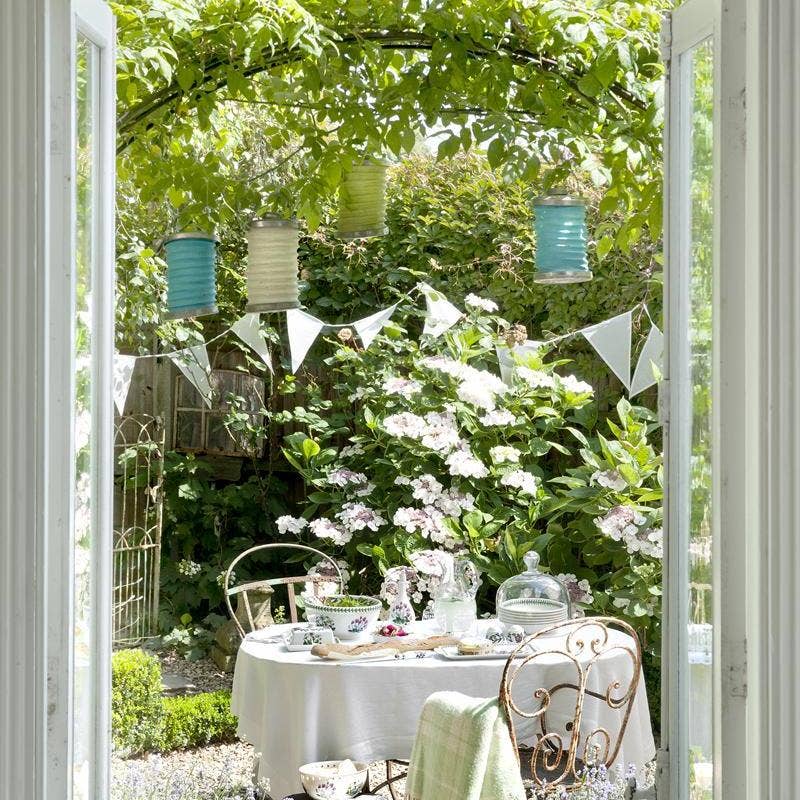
x,y
295,708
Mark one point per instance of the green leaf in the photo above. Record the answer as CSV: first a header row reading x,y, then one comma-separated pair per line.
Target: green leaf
x,y
310,449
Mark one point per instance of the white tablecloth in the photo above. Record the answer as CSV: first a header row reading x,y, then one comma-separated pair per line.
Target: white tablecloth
x,y
295,708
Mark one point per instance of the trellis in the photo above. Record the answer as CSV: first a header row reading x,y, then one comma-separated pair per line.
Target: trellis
x,y
138,510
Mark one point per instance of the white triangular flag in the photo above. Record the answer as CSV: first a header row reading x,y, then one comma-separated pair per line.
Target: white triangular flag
x,y
193,363
506,357
248,329
612,340
442,314
369,327
644,376
123,372
303,330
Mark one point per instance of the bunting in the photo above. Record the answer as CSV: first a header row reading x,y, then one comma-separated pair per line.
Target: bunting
x,y
123,372
302,330
612,341
369,327
193,363
648,367
441,313
248,329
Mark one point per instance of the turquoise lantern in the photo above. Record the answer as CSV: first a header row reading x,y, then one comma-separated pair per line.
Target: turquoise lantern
x,y
191,278
561,239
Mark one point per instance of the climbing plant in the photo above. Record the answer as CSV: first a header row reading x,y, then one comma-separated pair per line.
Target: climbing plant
x,y
544,87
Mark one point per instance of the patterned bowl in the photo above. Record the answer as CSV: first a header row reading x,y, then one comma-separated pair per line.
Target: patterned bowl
x,y
346,622
321,780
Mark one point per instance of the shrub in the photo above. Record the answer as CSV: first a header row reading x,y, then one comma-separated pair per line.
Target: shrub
x,y
442,455
144,721
136,703
197,720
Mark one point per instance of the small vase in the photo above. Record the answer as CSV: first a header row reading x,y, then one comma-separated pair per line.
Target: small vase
x,y
401,612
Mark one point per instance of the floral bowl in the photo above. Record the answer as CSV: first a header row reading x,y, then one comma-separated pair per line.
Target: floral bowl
x,y
325,780
351,621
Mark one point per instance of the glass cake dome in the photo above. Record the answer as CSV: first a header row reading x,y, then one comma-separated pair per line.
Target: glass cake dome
x,y
534,590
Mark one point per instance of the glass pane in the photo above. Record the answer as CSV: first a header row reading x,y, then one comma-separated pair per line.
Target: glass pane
x,y
84,412
700,485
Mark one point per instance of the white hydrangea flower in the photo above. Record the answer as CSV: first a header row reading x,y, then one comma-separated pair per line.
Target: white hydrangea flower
x,y
498,417
289,524
189,568
360,393
610,479
482,303
427,489
476,394
365,490
441,432
465,464
357,517
325,529
405,387
451,367
404,424
402,480
453,502
580,592
536,378
521,479
501,453
572,384
342,477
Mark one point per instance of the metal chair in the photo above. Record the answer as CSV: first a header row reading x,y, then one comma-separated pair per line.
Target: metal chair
x,y
244,588
552,761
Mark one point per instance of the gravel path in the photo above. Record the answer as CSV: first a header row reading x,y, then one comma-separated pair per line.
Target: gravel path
x,y
215,772
204,674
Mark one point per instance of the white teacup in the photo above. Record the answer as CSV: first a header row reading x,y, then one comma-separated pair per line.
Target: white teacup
x,y
309,635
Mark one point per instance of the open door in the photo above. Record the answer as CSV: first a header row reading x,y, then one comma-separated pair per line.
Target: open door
x,y
689,400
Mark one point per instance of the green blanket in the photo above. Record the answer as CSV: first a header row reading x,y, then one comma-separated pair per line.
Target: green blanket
x,y
463,751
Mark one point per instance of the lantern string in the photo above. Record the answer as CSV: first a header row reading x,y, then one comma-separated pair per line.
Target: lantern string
x,y
332,326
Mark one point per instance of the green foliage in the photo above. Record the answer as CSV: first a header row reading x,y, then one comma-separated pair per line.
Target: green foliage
x,y
207,523
196,720
544,88
144,721
136,710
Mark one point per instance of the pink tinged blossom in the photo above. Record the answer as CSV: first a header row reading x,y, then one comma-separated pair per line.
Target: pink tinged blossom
x,y
326,529
357,517
579,591
342,477
405,424
426,488
430,562
610,479
405,387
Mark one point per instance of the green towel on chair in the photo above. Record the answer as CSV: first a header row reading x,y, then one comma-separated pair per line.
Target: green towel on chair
x,y
463,751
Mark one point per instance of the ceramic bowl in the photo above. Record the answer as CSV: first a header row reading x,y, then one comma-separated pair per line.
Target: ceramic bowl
x,y
349,622
321,781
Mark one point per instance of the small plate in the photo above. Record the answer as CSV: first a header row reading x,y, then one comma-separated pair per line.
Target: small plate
x,y
451,652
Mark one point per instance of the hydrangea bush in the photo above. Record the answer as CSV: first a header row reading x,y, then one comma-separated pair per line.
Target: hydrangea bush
x,y
428,451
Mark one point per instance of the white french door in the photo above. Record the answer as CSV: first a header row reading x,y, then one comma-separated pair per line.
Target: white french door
x,y
81,353
703,404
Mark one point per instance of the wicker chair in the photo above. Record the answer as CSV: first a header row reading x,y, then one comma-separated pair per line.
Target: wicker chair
x,y
558,757
244,589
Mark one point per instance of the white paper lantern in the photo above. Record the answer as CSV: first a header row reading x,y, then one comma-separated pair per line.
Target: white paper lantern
x,y
272,264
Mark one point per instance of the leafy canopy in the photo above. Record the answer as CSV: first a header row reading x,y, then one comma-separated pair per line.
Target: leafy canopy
x,y
546,87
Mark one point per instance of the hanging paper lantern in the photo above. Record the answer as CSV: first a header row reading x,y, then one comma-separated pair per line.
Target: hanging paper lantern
x,y
561,238
362,201
272,264
191,285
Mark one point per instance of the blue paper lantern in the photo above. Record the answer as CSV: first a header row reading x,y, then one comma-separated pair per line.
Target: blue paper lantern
x,y
561,239
191,278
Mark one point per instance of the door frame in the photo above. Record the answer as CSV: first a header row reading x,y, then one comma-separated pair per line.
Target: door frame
x,y
734,460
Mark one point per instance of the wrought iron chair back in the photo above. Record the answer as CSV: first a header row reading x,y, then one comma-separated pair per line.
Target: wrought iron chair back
x,y
557,758
244,589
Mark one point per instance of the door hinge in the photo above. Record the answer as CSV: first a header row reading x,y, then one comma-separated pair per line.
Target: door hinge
x,y
665,40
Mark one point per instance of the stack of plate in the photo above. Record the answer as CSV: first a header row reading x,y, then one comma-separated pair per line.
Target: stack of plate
x,y
532,614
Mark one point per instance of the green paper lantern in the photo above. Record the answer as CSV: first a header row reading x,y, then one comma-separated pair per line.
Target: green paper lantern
x,y
362,201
